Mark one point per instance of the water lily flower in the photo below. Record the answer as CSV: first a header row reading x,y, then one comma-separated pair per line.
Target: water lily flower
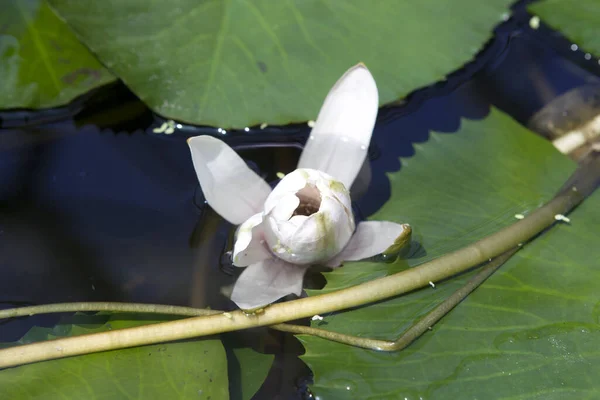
x,y
307,218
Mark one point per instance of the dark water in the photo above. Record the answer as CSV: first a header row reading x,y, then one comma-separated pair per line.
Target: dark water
x,y
95,206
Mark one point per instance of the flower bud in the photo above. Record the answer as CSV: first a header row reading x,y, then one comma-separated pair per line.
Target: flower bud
x,y
308,217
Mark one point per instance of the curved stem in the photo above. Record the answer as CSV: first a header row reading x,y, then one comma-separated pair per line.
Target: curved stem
x,y
586,177
417,329
403,340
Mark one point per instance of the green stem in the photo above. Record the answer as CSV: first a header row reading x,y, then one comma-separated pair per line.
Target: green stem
x,y
586,178
417,329
404,340
106,306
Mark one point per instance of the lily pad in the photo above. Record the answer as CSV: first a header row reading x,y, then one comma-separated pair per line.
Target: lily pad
x,y
184,370
253,370
42,64
530,331
239,63
577,19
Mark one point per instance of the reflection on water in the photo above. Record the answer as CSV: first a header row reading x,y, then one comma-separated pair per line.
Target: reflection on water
x,y
102,208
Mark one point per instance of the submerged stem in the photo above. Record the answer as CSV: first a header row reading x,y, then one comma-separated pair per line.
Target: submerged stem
x,y
581,184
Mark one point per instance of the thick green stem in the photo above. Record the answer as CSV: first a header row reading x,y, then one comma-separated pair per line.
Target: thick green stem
x,y
417,329
403,340
586,179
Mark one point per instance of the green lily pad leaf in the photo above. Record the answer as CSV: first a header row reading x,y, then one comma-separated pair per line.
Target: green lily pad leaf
x,y
239,63
182,370
530,331
577,19
42,64
253,368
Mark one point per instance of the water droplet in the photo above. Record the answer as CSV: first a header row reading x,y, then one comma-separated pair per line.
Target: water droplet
x,y
587,56
574,47
247,129
534,22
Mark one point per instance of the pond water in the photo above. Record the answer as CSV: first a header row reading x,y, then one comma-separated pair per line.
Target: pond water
x,y
96,206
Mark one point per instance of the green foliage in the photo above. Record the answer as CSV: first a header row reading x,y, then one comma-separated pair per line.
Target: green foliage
x,y
195,369
577,19
42,64
239,62
531,331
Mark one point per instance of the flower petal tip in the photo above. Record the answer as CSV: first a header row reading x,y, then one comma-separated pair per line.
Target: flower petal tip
x,y
231,188
401,241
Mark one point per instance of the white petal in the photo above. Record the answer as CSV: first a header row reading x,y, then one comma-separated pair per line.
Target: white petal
x,y
340,138
232,189
371,238
250,246
289,185
316,238
267,281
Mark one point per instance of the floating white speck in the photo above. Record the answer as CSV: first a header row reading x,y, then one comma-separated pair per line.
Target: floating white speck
x,y
161,128
179,126
280,175
432,284
560,217
167,128
311,123
519,216
247,129
263,125
574,47
317,318
93,287
587,56
534,22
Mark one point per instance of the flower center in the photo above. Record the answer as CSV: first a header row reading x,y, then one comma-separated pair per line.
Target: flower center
x,y
310,201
